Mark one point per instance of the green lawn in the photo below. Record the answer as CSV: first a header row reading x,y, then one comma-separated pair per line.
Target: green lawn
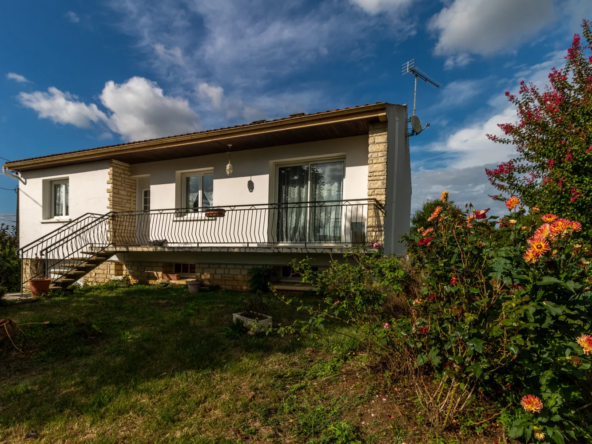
x,y
151,364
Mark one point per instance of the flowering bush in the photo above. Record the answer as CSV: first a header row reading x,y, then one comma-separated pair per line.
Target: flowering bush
x,y
506,309
554,163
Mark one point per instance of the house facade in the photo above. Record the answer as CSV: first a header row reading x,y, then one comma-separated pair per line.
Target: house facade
x,y
213,204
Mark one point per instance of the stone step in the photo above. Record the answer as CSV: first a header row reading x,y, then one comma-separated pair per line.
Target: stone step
x,y
293,286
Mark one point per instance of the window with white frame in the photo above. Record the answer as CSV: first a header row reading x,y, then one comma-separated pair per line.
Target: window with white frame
x,y
197,190
60,198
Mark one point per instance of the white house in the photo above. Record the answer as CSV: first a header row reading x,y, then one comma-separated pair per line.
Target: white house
x,y
302,186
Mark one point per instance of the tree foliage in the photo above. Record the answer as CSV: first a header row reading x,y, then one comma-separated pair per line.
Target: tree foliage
x,y
9,260
553,136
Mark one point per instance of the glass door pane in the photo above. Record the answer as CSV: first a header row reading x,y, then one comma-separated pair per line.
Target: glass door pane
x,y
326,185
293,190
208,191
192,193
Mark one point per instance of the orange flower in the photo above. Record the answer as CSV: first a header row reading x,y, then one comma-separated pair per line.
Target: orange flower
x,y
512,203
549,218
539,246
543,231
539,435
444,196
532,404
585,341
558,227
572,226
470,218
435,214
535,210
427,231
529,256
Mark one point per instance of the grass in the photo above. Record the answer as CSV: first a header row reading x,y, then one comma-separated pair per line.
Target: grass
x,y
153,364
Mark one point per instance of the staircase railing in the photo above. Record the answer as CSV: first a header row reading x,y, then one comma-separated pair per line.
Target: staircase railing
x,y
51,251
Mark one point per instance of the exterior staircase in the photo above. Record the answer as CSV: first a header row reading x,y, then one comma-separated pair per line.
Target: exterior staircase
x,y
73,269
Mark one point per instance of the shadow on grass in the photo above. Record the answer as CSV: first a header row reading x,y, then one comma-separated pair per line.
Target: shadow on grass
x,y
105,342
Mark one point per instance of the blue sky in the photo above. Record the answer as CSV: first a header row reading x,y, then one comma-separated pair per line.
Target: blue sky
x,y
79,74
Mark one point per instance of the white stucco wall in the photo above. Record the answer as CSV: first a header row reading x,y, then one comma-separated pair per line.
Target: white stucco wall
x,y
88,194
258,165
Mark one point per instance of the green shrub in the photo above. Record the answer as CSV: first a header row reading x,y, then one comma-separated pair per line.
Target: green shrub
x,y
504,308
420,217
259,278
10,263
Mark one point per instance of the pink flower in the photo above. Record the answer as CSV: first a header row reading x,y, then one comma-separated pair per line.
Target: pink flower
x,y
376,245
386,325
336,302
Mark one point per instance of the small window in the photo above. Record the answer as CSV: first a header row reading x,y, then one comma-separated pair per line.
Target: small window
x,y
197,191
185,268
60,199
146,199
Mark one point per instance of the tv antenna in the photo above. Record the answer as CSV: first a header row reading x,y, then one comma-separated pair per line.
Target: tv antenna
x,y
411,68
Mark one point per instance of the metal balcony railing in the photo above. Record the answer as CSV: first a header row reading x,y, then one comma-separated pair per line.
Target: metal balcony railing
x,y
340,223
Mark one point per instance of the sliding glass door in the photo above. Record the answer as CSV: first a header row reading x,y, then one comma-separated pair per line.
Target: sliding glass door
x,y
319,220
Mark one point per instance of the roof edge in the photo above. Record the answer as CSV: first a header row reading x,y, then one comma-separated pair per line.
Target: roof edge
x,y
282,124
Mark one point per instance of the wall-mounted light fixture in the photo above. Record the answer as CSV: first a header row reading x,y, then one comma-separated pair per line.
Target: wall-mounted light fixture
x,y
229,168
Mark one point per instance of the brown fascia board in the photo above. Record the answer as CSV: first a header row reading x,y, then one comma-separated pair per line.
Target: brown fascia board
x,y
323,118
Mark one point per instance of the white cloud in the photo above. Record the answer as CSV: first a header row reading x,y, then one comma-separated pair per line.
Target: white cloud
x,y
457,61
459,92
470,146
466,185
17,77
62,107
172,55
459,159
140,110
214,93
487,27
72,17
247,51
137,110
377,6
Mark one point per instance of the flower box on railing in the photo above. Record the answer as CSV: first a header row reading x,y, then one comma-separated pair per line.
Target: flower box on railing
x,y
216,213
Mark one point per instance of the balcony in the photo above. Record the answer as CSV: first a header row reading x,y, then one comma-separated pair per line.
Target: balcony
x,y
73,250
329,224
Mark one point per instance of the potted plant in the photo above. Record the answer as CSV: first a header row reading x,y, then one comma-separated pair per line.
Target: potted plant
x,y
219,212
194,286
39,286
252,316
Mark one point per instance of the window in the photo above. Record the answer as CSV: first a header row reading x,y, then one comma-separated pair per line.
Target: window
x,y
185,268
146,199
60,205
197,190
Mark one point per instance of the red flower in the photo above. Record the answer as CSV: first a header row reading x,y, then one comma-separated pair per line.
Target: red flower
x,y
454,280
425,241
481,214
423,330
432,297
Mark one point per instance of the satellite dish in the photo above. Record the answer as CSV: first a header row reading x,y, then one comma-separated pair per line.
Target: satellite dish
x,y
416,124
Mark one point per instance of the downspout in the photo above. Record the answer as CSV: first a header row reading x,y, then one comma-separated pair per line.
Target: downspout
x,y
15,175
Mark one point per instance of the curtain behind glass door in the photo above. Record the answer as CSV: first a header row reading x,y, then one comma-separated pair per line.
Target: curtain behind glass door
x,y
326,184
293,189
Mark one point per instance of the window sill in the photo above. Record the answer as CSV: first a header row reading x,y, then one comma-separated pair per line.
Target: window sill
x,y
61,220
